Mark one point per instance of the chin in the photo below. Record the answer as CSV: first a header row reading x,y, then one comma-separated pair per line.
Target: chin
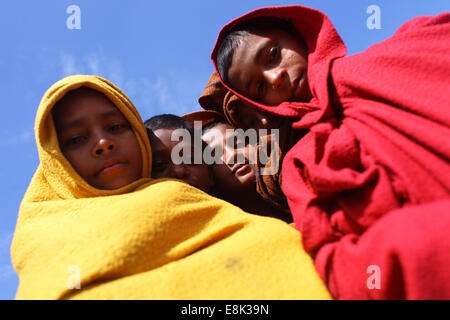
x,y
248,182
116,185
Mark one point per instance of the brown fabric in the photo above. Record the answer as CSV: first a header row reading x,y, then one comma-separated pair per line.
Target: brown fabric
x,y
212,96
217,98
203,116
269,186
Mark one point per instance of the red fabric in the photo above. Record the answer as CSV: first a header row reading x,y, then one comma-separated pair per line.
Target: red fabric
x,y
409,249
379,140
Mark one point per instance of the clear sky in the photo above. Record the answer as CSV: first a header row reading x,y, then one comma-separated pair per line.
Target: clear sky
x,y
157,52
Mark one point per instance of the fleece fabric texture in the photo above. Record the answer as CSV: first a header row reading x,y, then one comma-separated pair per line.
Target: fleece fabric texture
x,y
378,145
151,239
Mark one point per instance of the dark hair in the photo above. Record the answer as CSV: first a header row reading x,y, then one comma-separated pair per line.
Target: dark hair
x,y
237,35
168,121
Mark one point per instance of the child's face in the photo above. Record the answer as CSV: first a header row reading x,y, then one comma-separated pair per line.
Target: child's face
x,y
252,118
97,140
230,175
197,175
271,68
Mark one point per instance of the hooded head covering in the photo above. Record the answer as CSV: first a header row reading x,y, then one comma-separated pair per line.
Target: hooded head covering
x,y
152,239
217,98
323,46
379,128
361,121
204,117
58,171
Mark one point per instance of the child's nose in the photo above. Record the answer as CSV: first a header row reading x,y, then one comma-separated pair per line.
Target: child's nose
x,y
104,147
276,77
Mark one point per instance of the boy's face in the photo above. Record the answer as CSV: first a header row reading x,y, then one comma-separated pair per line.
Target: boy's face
x,y
252,118
230,175
97,140
270,68
197,175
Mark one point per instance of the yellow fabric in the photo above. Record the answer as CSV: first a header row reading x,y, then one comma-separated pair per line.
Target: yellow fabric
x,y
152,239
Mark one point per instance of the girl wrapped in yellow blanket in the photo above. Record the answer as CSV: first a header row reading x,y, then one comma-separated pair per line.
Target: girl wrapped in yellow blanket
x,y
93,225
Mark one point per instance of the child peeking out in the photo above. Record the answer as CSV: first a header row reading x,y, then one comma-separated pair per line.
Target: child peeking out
x,y
94,225
237,181
226,178
160,129
370,180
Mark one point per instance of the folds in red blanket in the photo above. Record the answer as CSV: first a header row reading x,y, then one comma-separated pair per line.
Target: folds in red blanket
x,y
379,140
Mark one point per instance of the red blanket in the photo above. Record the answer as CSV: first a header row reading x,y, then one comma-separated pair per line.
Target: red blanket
x,y
365,184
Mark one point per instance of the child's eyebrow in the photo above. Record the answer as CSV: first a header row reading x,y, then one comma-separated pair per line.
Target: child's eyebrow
x,y
102,115
71,124
110,113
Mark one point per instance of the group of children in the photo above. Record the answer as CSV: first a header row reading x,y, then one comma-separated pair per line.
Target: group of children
x,y
363,142
368,185
226,178
93,224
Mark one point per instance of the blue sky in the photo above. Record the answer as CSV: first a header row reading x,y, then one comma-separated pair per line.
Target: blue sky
x,y
157,52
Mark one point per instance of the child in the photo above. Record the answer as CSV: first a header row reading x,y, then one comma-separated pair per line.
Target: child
x,y
216,98
96,139
376,160
160,129
234,183
93,225
275,60
241,183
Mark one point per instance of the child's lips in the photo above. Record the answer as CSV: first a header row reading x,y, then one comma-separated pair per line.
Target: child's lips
x,y
240,169
111,167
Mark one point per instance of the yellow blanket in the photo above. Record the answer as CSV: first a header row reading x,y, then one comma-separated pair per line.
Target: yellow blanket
x,y
152,239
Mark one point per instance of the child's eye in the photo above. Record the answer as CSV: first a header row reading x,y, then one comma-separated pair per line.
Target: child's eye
x,y
75,141
260,88
273,53
118,127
